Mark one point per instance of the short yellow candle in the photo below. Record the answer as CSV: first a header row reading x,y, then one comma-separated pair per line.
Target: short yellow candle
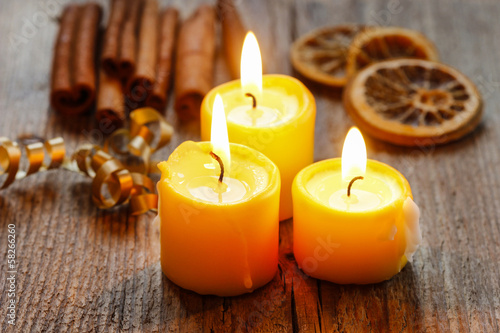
x,y
281,125
364,237
219,237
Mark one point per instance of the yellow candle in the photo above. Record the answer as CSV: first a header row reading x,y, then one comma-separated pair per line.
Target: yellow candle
x,y
219,237
281,125
364,237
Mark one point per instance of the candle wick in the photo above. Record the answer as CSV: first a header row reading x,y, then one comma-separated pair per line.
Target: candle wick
x,y
218,159
254,100
350,184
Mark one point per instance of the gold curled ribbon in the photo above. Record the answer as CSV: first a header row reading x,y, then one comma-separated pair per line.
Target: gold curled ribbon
x,y
149,116
83,159
114,181
57,152
143,197
111,173
35,154
10,156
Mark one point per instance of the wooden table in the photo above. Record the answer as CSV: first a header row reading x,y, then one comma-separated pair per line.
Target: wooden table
x,y
84,269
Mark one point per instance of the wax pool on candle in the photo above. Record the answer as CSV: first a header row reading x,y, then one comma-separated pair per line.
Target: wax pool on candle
x,y
275,107
218,238
207,188
365,237
372,192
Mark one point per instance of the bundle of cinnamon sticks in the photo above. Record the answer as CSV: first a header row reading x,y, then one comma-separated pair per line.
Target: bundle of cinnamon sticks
x,y
136,64
136,58
73,86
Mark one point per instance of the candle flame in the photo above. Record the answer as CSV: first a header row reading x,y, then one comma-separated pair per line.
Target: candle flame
x,y
353,155
251,66
219,136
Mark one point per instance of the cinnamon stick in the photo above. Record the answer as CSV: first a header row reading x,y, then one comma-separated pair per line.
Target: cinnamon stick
x,y
141,83
112,38
166,45
195,62
73,83
128,45
110,103
233,35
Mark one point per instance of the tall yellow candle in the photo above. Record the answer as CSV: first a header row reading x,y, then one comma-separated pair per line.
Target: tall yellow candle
x,y
274,114
354,220
219,231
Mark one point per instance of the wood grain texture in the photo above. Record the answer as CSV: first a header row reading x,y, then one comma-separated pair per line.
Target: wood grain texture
x,y
82,269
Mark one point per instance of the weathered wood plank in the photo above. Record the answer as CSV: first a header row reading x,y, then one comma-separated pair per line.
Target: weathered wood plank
x,y
87,270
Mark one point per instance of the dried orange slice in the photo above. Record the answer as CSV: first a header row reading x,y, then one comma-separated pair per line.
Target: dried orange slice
x,y
413,102
375,44
321,54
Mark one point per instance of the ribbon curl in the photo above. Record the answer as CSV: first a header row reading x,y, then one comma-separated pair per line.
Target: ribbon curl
x,y
118,169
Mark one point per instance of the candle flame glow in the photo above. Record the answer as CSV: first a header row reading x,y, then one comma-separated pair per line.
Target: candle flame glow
x,y
251,66
353,155
219,136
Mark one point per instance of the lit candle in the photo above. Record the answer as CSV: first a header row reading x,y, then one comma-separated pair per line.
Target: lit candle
x,y
218,209
354,219
274,114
